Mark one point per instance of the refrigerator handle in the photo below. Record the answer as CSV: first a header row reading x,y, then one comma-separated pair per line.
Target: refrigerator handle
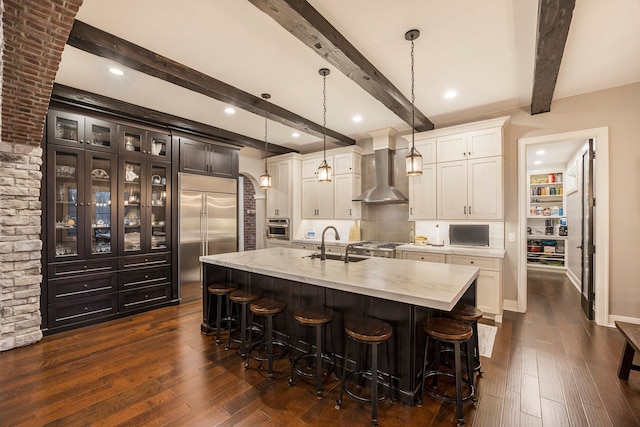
x,y
203,225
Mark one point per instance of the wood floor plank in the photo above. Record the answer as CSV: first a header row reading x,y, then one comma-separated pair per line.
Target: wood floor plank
x,y
530,396
549,366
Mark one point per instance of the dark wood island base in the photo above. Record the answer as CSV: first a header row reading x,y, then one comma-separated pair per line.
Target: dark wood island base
x,y
406,344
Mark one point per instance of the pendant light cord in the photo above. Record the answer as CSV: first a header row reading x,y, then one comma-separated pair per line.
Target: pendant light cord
x,y
413,99
265,138
324,116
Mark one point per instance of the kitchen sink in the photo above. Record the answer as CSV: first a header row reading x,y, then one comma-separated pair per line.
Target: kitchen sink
x,y
339,257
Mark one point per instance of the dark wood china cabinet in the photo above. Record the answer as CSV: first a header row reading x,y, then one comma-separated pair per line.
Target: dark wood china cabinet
x,y
107,220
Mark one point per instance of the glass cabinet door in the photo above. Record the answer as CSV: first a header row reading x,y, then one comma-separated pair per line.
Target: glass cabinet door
x,y
65,128
101,216
131,140
132,200
159,146
66,188
159,207
101,135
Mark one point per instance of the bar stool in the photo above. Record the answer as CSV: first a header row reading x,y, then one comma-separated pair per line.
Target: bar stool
x,y
372,332
220,290
267,307
455,332
244,298
470,315
316,317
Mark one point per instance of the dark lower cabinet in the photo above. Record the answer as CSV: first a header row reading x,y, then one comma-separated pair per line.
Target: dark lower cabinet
x,y
82,310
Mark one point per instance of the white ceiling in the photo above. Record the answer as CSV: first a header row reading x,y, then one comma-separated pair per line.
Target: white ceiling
x,y
484,49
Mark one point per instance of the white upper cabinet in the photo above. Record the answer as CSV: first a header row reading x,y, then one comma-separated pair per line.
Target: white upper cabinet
x,y
285,186
470,145
347,163
452,147
427,148
346,187
422,193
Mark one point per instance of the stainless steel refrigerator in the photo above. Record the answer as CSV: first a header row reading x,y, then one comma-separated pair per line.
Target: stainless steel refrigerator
x,y
208,220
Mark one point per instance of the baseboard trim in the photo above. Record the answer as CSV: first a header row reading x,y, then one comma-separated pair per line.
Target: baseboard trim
x,y
575,280
614,317
510,305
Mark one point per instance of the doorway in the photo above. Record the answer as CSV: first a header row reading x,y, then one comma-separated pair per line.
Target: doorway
x,y
600,237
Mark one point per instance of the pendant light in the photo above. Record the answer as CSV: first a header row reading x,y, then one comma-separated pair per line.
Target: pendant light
x,y
265,178
324,170
414,158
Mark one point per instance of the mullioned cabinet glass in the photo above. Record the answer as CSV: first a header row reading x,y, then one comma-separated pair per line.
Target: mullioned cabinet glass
x,y
81,216
136,142
144,206
76,130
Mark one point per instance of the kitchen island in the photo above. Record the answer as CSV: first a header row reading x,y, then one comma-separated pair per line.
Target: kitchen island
x,y
401,292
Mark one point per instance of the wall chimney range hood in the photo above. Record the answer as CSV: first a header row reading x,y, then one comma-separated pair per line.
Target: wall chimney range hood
x,y
383,190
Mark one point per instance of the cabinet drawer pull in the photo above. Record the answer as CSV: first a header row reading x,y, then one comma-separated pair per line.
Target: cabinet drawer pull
x,y
86,285
146,276
146,296
86,308
85,267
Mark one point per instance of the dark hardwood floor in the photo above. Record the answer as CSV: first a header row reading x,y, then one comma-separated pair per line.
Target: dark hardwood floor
x,y
550,366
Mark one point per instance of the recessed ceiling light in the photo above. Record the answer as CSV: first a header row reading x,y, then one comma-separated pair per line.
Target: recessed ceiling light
x,y
357,118
229,110
116,71
540,152
537,162
450,94
295,135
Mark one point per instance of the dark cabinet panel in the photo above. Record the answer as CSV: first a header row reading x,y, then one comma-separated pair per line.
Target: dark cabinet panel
x,y
74,268
82,310
76,130
144,297
82,286
144,277
208,159
135,142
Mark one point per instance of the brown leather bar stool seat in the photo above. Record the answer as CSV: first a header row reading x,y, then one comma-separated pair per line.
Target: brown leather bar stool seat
x,y
268,308
455,332
244,298
315,317
372,332
220,290
470,315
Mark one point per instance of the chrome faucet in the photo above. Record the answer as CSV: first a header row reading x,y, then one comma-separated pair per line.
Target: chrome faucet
x,y
322,247
346,252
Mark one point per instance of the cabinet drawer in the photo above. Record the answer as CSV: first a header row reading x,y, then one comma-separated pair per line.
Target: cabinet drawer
x,y
81,286
82,309
424,256
307,246
480,262
144,297
146,260
68,269
144,277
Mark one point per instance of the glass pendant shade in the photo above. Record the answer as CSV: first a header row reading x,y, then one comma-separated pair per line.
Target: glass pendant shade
x,y
324,172
265,180
414,162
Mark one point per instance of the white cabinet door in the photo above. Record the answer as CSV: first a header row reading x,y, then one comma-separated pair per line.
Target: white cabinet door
x,y
317,199
310,166
275,243
452,190
452,147
484,188
427,148
346,187
484,143
422,194
346,163
278,196
489,293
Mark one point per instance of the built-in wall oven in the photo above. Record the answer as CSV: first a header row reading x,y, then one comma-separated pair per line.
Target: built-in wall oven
x,y
278,228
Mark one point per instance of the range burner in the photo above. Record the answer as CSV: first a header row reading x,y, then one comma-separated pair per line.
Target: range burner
x,y
378,249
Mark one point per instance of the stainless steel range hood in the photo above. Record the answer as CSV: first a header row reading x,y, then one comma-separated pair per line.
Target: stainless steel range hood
x,y
383,190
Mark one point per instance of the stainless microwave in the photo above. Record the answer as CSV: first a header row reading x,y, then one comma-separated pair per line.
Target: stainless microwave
x,y
278,228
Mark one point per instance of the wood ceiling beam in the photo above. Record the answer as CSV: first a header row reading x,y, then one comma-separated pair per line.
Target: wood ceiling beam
x,y
554,19
309,26
68,96
100,43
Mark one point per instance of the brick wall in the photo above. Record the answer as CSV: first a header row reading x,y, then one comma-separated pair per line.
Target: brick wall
x,y
249,215
33,34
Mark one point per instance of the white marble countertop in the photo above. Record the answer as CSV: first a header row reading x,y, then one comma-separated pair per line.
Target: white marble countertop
x,y
454,250
318,241
426,284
